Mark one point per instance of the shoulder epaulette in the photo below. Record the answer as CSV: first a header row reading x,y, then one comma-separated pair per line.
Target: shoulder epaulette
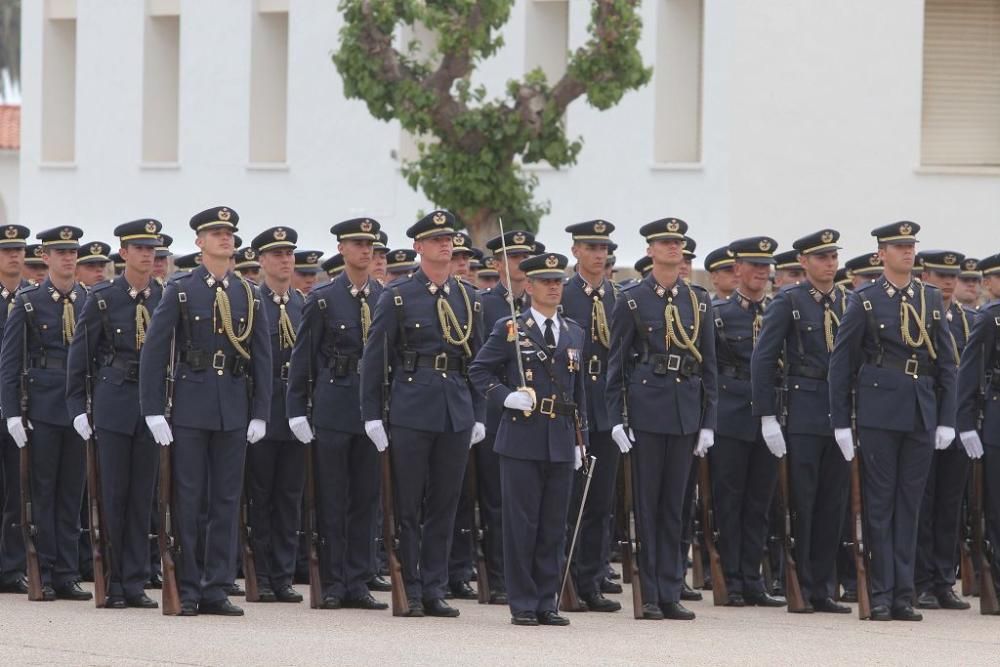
x,y
865,287
27,288
716,303
103,285
626,288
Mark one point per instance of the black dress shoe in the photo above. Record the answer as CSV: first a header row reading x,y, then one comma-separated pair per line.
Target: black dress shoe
x,y
221,608
378,584
287,594
498,597
608,586
829,606
675,611
881,613
551,618
707,585
331,602
689,594
440,608
17,585
735,600
524,618
949,600
189,608
155,581
141,601
366,601
48,594
597,602
234,590
115,602
764,600
849,596
905,612
461,590
652,612
72,591
265,593
416,608
614,574
928,600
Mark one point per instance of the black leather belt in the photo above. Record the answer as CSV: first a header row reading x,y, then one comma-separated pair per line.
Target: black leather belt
x,y
343,365
551,408
131,368
441,362
737,372
58,363
812,372
683,364
912,367
199,360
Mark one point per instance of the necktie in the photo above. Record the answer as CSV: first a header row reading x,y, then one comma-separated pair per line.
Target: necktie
x,y
550,338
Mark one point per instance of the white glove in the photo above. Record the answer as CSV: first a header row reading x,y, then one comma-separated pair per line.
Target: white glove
x,y
15,426
706,438
160,429
943,436
519,400
622,439
577,458
301,429
973,445
82,426
845,441
376,433
256,430
771,430
478,433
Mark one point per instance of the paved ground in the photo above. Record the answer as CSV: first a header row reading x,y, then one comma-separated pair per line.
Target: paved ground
x,y
68,633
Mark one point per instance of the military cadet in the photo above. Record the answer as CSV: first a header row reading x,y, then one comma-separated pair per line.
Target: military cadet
x,y
36,339
475,265
979,399
588,298
461,257
661,399
892,354
431,326
797,336
610,264
536,439
117,263
970,280
34,269
719,264
864,269
215,321
687,266
248,264
335,326
12,244
787,270
744,468
306,270
333,266
188,262
642,266
400,263
843,279
162,258
105,351
377,270
941,507
93,258
488,276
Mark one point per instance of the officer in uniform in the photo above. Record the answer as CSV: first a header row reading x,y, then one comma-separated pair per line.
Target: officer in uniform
x,y
12,243
335,327
661,396
941,508
488,276
36,340
588,298
461,257
864,269
797,337
970,280
536,439
719,264
380,253
400,263
787,270
248,264
118,263
34,269
306,270
744,468
90,263
430,325
275,465
188,262
161,260
893,356
687,266
214,321
105,351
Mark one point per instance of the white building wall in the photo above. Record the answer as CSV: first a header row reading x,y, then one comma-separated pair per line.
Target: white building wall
x,y
810,117
9,181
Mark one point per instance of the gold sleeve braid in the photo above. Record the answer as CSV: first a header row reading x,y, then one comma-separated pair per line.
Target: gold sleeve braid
x,y
449,321
68,321
676,334
142,319
366,321
286,332
907,311
226,312
599,330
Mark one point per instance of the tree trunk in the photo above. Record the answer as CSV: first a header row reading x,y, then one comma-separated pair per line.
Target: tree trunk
x,y
481,224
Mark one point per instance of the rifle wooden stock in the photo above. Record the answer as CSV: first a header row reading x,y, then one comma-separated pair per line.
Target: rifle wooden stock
x,y
312,531
630,544
621,527
478,535
697,535
400,603
858,536
171,599
967,572
246,548
28,529
720,594
988,604
793,591
98,538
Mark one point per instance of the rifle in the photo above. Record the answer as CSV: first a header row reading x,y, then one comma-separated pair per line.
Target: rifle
x,y
982,549
400,603
967,572
312,530
630,544
28,528
478,535
793,591
720,594
246,546
95,506
697,534
169,545
857,521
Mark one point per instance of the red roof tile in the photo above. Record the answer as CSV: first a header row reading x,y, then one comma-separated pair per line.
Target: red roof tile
x,y
10,127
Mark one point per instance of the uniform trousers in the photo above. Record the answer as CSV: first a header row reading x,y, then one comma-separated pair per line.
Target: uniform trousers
x,y
276,473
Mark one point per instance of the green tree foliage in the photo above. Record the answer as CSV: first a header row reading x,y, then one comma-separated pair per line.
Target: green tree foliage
x,y
10,40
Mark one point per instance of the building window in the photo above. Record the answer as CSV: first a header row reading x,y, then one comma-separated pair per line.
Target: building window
x,y
161,81
269,83
59,81
961,97
546,40
677,78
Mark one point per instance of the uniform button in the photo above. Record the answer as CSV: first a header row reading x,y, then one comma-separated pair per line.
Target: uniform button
x,y
644,382
881,326
219,372
418,325
796,386
409,379
342,326
913,356
444,375
678,380
197,317
593,378
118,330
875,384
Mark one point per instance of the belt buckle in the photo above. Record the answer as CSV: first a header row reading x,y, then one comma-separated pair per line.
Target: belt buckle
x,y
911,367
594,366
441,362
283,374
673,362
219,361
550,411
